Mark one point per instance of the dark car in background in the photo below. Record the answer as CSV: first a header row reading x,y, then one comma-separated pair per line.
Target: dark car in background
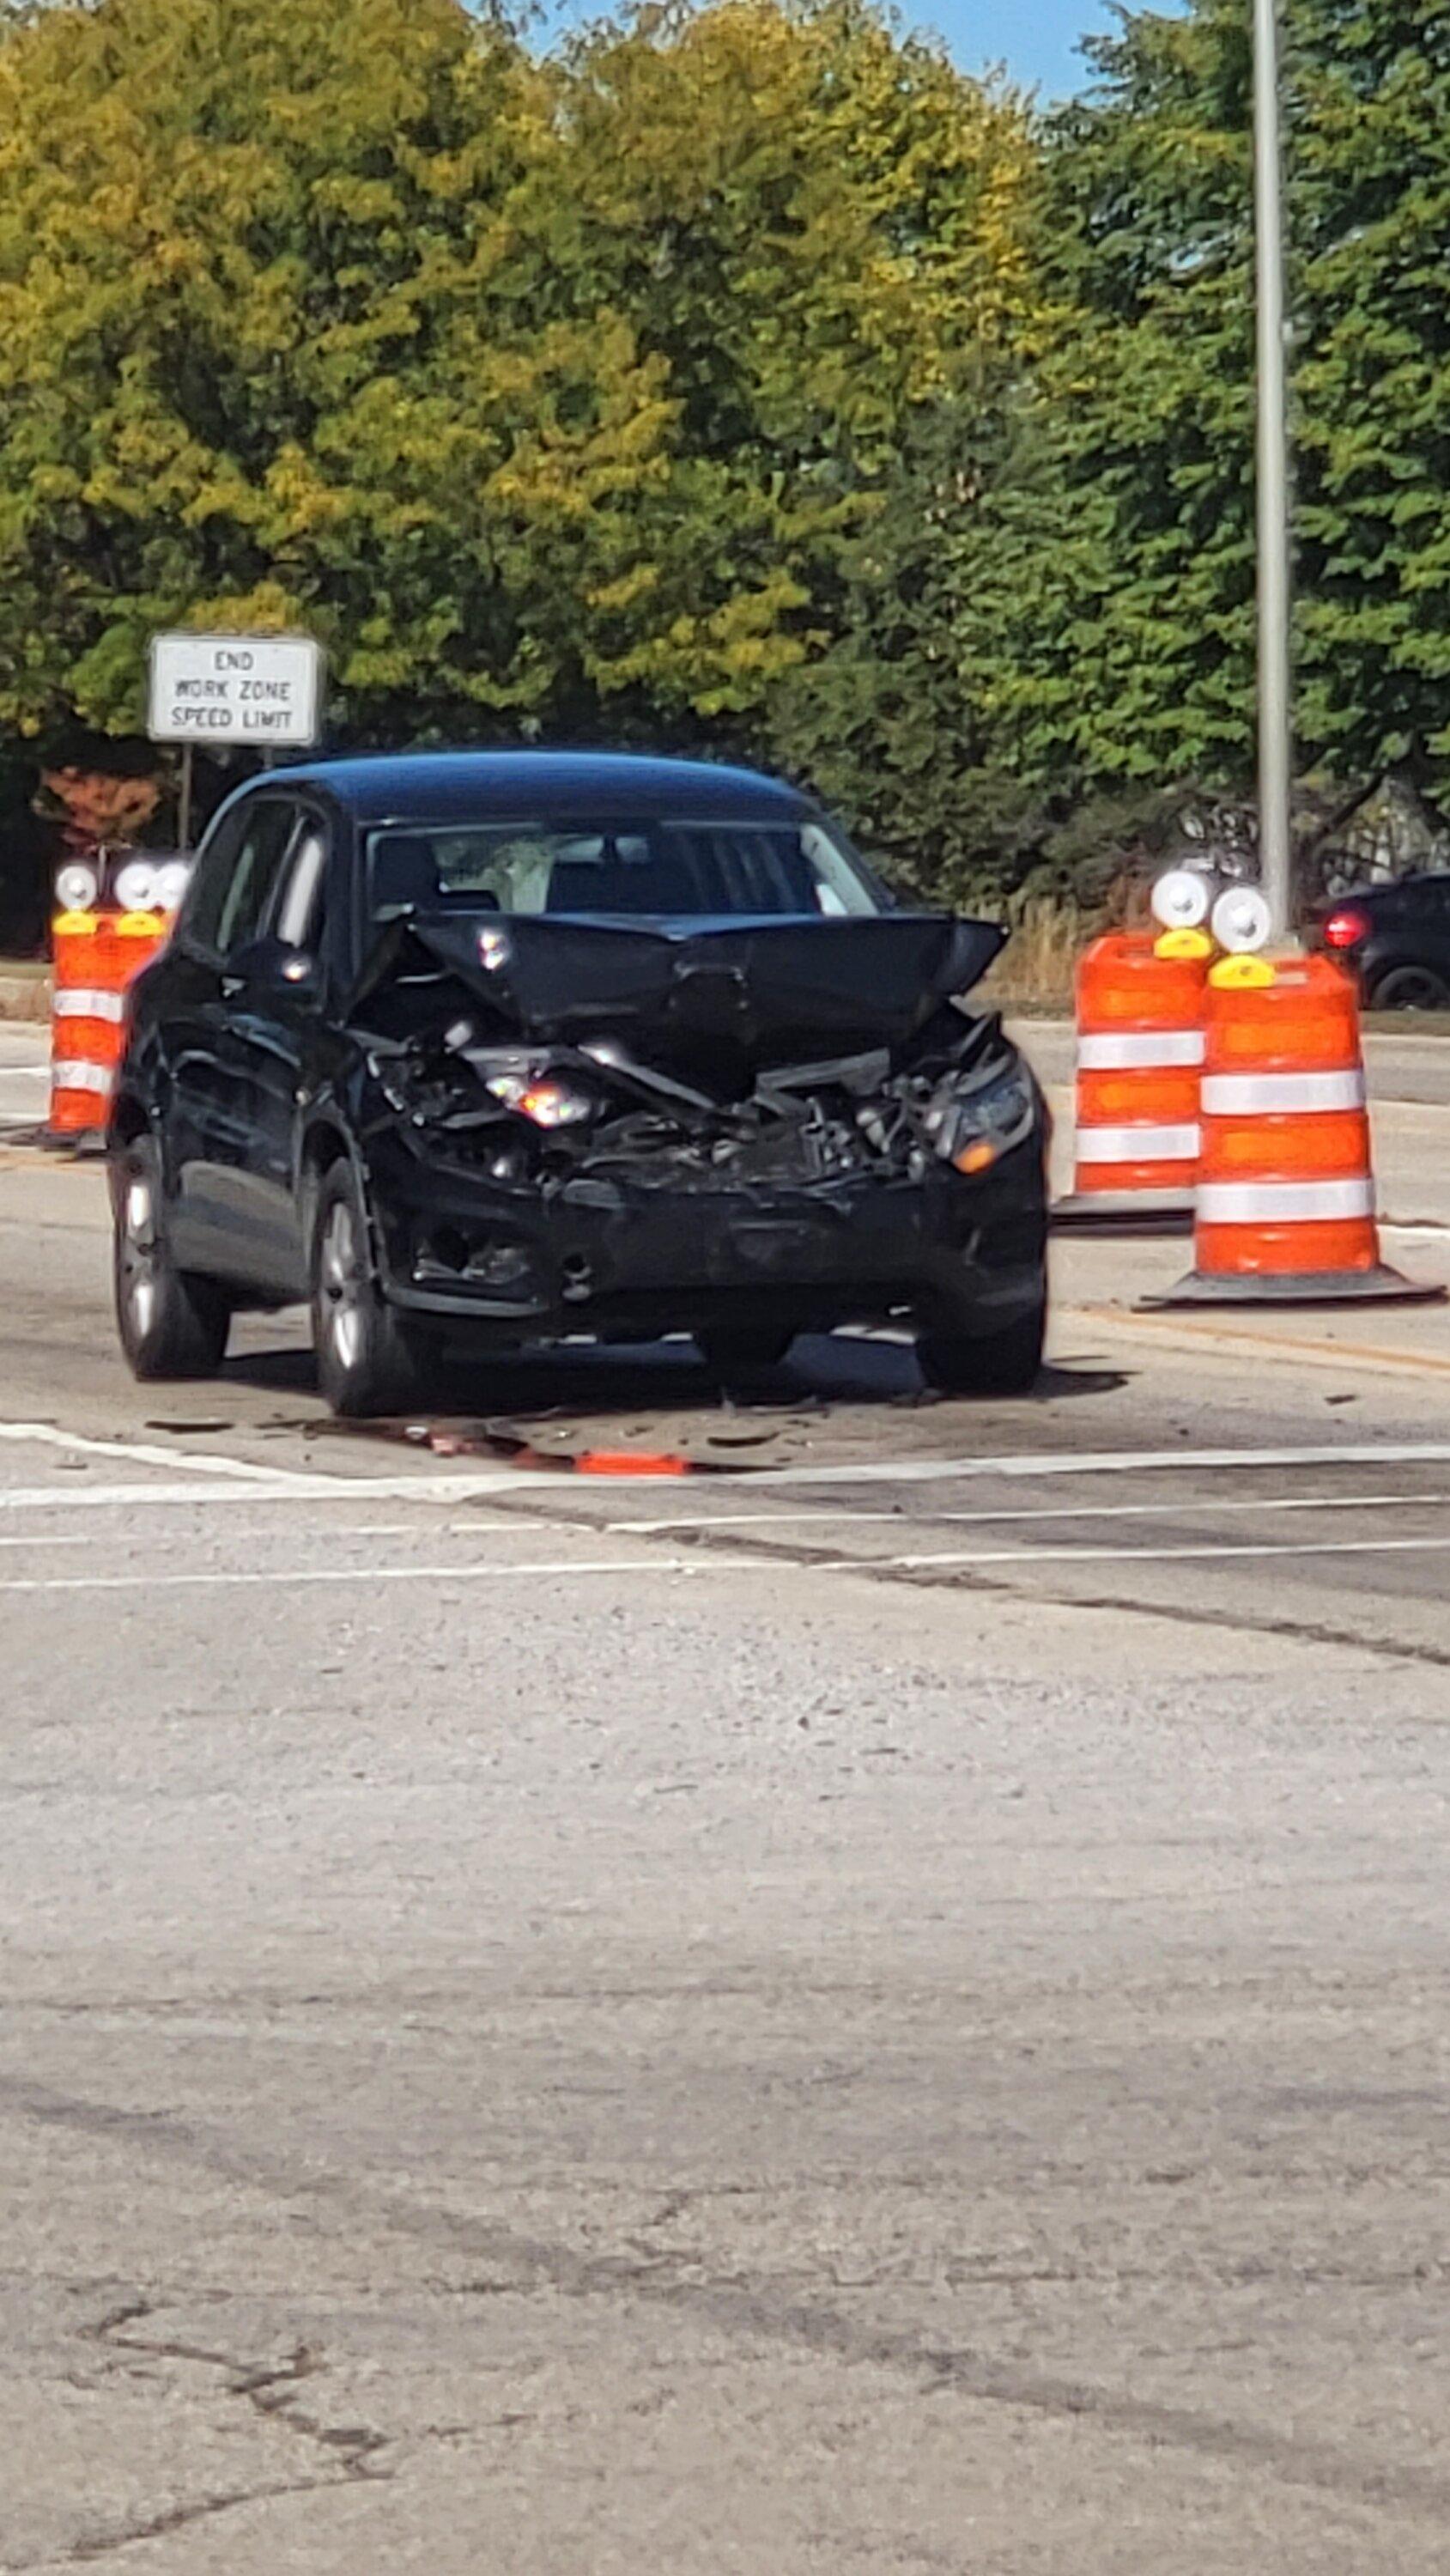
x,y
489,1049
1395,939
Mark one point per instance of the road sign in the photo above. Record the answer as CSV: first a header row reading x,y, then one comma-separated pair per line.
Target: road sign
x,y
261,690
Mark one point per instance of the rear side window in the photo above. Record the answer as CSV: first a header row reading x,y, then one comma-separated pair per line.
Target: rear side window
x,y
268,837
299,905
238,873
210,879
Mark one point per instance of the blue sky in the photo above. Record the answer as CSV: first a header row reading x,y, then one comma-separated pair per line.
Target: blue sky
x,y
1036,39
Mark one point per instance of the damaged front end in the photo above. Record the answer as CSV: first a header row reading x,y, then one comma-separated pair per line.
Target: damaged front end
x,y
576,1127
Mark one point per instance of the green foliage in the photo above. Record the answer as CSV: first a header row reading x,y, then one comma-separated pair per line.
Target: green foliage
x,y
550,394
1107,622
739,376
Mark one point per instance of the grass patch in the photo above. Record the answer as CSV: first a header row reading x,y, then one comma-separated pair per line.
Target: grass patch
x,y
1035,969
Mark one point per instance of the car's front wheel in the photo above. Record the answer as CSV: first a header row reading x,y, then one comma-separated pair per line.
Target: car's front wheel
x,y
1001,1363
172,1323
369,1360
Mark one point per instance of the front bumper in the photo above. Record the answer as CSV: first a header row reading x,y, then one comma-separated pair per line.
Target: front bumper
x,y
614,1253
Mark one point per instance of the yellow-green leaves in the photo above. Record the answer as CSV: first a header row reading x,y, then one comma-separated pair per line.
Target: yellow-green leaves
x,y
545,391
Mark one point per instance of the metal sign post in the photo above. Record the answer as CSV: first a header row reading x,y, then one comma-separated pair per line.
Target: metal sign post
x,y
183,818
1276,863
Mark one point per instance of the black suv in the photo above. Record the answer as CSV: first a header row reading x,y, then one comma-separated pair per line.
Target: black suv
x,y
1396,940
496,1048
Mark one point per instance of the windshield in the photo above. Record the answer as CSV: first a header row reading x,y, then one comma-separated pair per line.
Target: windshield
x,y
656,869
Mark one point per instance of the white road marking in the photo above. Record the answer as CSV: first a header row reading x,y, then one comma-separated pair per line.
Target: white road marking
x,y
51,1538
500,1522
114,1498
300,1488
1036,1512
1159,1555
298,1485
1111,1462
141,1453
568,1569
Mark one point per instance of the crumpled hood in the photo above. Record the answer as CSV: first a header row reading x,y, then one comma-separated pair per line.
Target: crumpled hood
x,y
770,989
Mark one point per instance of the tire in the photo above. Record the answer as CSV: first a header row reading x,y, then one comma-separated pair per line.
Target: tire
x,y
1005,1363
172,1323
1409,988
369,1361
728,1350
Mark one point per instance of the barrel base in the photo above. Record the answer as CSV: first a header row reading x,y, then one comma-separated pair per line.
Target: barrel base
x,y
1295,1288
1125,1212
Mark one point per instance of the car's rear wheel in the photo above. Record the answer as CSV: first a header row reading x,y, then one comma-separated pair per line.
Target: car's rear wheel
x,y
369,1359
1002,1363
727,1349
1409,988
172,1323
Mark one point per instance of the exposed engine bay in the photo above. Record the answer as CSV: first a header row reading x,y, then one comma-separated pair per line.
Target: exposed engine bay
x,y
690,1058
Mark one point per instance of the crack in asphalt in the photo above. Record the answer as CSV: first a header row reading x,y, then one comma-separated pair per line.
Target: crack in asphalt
x,y
270,2390
82,2553
753,2314
1237,1622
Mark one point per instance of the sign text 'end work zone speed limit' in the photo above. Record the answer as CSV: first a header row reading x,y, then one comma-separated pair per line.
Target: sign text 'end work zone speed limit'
x,y
265,690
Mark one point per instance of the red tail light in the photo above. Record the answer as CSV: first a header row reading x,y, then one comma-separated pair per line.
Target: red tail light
x,y
1345,929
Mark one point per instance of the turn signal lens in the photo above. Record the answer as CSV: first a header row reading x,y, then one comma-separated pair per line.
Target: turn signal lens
x,y
979,1156
1345,929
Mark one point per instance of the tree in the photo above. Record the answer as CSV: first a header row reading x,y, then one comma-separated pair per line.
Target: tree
x,y
552,394
1106,592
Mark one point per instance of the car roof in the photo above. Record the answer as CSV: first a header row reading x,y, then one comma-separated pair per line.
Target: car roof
x,y
438,786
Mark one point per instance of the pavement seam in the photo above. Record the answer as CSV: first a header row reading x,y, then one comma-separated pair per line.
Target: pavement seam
x,y
971,1579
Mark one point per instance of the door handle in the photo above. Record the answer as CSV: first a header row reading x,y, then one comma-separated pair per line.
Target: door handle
x,y
232,985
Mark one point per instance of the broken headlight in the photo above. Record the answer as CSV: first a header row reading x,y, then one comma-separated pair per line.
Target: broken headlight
x,y
979,1126
548,1102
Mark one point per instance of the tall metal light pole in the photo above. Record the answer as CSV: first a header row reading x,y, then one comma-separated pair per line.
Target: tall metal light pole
x,y
1275,752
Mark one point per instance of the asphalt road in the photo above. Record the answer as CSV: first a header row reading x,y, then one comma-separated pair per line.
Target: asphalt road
x,y
1405,1062
881,2010
24,1074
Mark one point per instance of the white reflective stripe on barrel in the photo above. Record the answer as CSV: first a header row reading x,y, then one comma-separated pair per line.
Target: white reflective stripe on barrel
x,y
65,1076
1137,1144
82,1003
1282,1202
1231,1095
1139,1050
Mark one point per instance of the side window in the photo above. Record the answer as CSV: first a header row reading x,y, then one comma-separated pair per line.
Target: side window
x,y
210,879
266,838
298,917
